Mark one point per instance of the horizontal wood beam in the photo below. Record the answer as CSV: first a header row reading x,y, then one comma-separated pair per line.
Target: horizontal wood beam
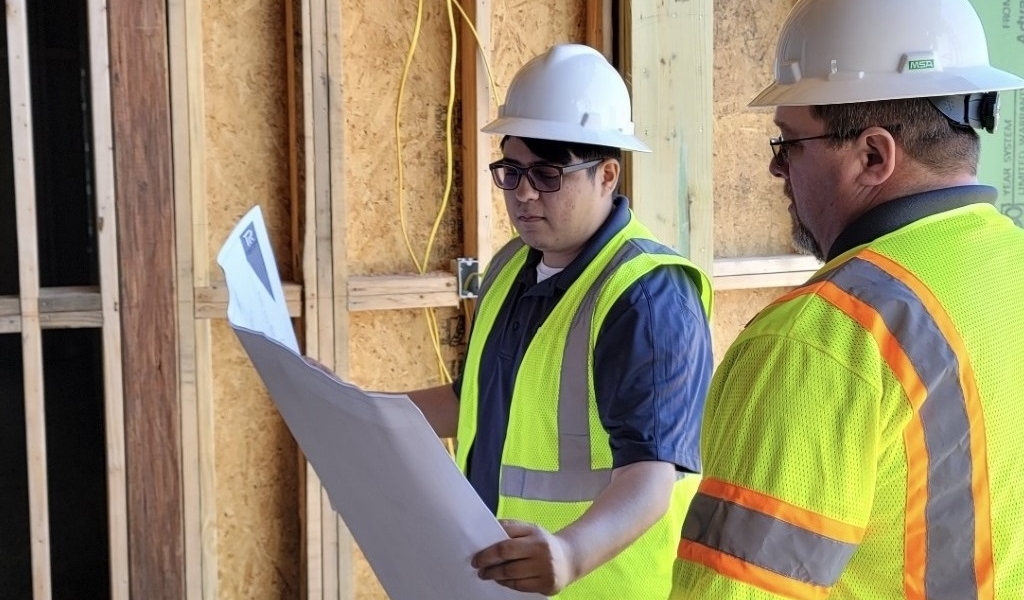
x,y
81,306
59,308
430,290
211,302
763,271
373,292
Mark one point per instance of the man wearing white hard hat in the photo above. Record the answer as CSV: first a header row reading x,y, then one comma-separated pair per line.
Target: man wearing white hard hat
x,y
577,413
862,435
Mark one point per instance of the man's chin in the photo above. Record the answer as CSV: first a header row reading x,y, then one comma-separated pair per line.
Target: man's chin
x,y
804,242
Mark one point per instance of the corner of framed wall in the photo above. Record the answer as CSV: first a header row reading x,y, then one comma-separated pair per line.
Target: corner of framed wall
x,y
665,53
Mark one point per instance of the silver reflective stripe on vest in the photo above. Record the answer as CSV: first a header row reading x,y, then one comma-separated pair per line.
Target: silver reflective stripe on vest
x,y
949,525
575,480
949,512
498,262
765,541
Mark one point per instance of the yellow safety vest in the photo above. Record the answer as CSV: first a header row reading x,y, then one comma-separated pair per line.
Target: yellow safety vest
x,y
862,439
556,457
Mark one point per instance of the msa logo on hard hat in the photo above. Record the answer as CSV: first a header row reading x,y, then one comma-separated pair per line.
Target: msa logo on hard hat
x,y
979,110
919,61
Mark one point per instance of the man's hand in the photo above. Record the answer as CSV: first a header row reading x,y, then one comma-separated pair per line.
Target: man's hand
x,y
533,560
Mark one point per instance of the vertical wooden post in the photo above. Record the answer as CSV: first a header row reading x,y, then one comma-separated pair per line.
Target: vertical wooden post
x,y
106,217
195,377
145,224
311,521
599,27
28,279
476,147
667,51
335,248
328,543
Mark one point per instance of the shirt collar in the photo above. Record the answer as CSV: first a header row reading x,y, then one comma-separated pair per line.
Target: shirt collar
x,y
617,219
896,214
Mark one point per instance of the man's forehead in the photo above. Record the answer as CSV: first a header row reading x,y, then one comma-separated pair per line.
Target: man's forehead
x,y
516,151
793,118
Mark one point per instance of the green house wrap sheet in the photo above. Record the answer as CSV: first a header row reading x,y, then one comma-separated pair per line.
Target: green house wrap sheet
x,y
1002,153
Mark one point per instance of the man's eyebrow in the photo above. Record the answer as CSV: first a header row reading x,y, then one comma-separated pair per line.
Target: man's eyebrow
x,y
782,125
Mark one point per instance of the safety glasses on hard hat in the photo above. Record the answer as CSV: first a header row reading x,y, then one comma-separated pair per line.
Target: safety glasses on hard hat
x,y
543,178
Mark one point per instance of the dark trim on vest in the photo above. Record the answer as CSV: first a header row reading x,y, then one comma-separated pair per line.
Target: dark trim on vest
x,y
900,212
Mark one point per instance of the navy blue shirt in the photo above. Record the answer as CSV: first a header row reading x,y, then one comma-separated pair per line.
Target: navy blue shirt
x,y
652,363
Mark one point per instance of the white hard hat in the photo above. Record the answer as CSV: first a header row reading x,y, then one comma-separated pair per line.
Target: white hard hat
x,y
842,51
568,94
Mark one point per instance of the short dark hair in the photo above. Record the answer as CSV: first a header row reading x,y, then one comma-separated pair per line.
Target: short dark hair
x,y
561,153
924,133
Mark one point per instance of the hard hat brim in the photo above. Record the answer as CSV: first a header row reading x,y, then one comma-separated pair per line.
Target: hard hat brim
x,y
895,86
557,131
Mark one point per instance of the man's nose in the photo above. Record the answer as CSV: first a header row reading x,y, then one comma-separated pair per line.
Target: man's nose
x,y
778,168
525,190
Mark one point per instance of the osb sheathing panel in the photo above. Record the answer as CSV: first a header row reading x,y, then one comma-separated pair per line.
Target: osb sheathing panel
x,y
520,30
733,310
392,350
751,213
751,217
376,38
258,532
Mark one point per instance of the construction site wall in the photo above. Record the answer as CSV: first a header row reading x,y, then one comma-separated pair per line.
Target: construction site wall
x,y
401,120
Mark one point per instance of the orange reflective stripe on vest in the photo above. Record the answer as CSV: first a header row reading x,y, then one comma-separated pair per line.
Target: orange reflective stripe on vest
x,y
772,544
947,539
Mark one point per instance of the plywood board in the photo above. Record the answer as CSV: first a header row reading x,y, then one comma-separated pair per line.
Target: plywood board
x,y
392,349
376,38
520,31
751,217
733,310
246,163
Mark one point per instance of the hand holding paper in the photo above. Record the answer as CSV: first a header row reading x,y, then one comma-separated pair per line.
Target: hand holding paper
x,y
413,514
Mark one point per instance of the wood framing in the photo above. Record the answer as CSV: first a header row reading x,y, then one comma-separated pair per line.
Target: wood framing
x,y
476,96
195,377
211,300
431,290
28,279
763,272
600,27
667,60
345,565
68,307
110,298
145,225
328,544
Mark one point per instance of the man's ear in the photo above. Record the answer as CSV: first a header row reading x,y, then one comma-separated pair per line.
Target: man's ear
x,y
877,153
608,175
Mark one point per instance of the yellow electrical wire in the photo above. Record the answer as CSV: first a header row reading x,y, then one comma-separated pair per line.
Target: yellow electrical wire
x,y
448,146
421,266
398,130
480,48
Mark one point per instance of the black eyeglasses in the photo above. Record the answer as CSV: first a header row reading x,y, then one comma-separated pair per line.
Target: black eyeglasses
x,y
780,147
543,178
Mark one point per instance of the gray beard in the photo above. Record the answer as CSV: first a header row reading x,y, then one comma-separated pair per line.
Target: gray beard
x,y
804,242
